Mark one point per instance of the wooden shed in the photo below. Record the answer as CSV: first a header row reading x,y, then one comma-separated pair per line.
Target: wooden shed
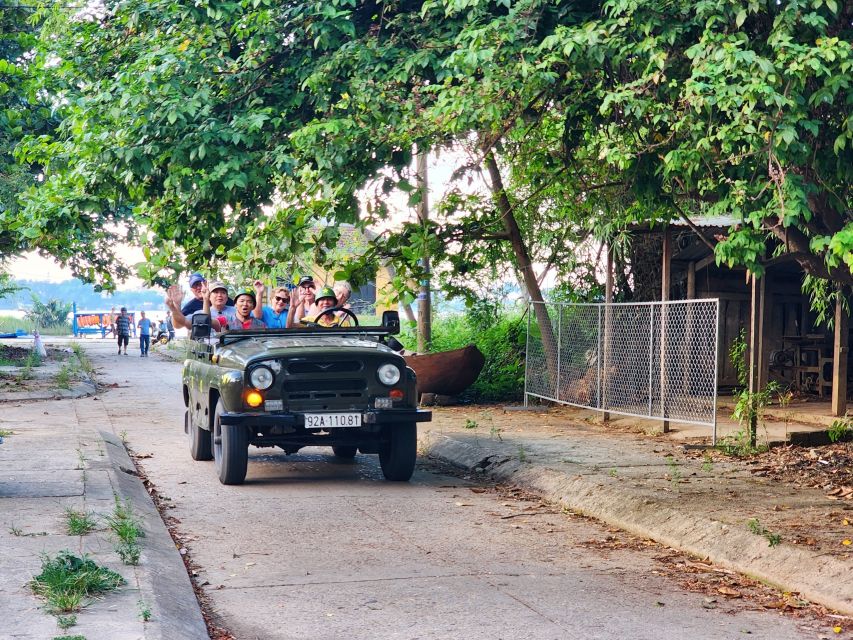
x,y
785,341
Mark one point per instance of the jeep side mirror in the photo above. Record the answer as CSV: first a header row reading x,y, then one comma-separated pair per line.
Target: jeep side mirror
x,y
201,326
391,321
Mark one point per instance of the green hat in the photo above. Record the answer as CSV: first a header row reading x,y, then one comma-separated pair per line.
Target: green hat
x,y
326,292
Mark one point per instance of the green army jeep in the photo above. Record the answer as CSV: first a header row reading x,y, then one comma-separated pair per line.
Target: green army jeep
x,y
340,387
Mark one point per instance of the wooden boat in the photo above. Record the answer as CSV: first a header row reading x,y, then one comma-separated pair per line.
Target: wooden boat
x,y
447,373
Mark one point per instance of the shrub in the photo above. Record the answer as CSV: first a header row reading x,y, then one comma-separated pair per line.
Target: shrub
x,y
500,337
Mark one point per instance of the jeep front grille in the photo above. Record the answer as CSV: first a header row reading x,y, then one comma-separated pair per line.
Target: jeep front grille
x,y
323,385
302,367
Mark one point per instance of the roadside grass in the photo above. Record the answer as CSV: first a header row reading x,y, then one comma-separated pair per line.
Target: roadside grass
x,y
79,523
77,637
10,324
126,527
66,581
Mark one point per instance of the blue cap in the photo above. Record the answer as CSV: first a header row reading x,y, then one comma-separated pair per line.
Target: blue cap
x,y
195,278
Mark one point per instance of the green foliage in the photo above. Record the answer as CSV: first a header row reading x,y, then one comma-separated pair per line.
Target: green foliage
x,y
749,406
79,523
48,314
127,530
66,622
66,580
841,429
502,340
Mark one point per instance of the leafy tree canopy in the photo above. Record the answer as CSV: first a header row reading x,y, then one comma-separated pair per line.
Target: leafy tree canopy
x,y
583,117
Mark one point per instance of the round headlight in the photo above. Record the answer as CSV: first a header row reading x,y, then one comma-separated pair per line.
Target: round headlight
x,y
388,374
261,378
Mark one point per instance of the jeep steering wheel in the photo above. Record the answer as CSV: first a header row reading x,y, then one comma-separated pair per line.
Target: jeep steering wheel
x,y
333,311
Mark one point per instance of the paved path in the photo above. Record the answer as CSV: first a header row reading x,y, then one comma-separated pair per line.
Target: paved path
x,y
313,548
64,454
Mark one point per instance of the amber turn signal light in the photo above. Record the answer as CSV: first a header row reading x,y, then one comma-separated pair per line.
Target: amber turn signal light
x,y
254,398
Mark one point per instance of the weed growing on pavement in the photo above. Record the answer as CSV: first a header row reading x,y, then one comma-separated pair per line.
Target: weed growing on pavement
x,y
126,527
612,473
773,539
77,637
123,436
81,459
63,377
522,454
26,372
66,622
739,444
79,523
707,462
84,363
495,432
16,531
5,433
471,424
65,580
674,471
144,611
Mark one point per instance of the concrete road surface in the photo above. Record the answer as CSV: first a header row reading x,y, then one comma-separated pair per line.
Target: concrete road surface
x,y
312,547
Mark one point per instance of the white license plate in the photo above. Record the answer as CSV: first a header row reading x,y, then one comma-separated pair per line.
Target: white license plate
x,y
332,420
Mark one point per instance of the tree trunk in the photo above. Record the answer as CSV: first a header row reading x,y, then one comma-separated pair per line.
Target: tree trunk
x,y
519,249
424,295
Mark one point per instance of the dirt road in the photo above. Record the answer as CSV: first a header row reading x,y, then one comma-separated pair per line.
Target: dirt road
x,y
314,548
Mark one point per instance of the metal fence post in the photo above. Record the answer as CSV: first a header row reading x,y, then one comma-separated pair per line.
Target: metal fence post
x,y
559,348
599,401
527,350
651,354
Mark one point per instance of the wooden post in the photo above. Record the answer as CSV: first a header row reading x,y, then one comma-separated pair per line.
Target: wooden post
x,y
665,286
841,347
608,299
756,340
691,280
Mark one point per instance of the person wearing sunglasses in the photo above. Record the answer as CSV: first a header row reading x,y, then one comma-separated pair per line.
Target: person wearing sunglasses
x,y
274,315
304,304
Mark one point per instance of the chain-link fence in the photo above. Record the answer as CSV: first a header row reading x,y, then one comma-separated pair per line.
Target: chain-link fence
x,y
650,360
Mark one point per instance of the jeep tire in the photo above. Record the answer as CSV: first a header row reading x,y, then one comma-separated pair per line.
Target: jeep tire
x,y
199,439
230,449
397,455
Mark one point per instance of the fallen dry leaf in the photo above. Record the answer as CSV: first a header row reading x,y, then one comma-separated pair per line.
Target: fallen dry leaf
x,y
728,591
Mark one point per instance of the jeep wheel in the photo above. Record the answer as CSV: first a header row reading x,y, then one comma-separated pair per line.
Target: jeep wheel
x,y
397,456
342,451
199,439
230,449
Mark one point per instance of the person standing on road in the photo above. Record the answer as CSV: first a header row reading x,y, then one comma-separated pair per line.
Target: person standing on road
x,y
170,328
144,335
122,328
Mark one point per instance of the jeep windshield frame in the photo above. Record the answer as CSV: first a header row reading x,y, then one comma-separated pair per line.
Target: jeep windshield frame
x,y
237,335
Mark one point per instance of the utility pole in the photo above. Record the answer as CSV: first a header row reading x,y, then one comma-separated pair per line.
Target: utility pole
x,y
424,297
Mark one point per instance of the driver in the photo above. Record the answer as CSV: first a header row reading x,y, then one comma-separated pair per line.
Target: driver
x,y
326,301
